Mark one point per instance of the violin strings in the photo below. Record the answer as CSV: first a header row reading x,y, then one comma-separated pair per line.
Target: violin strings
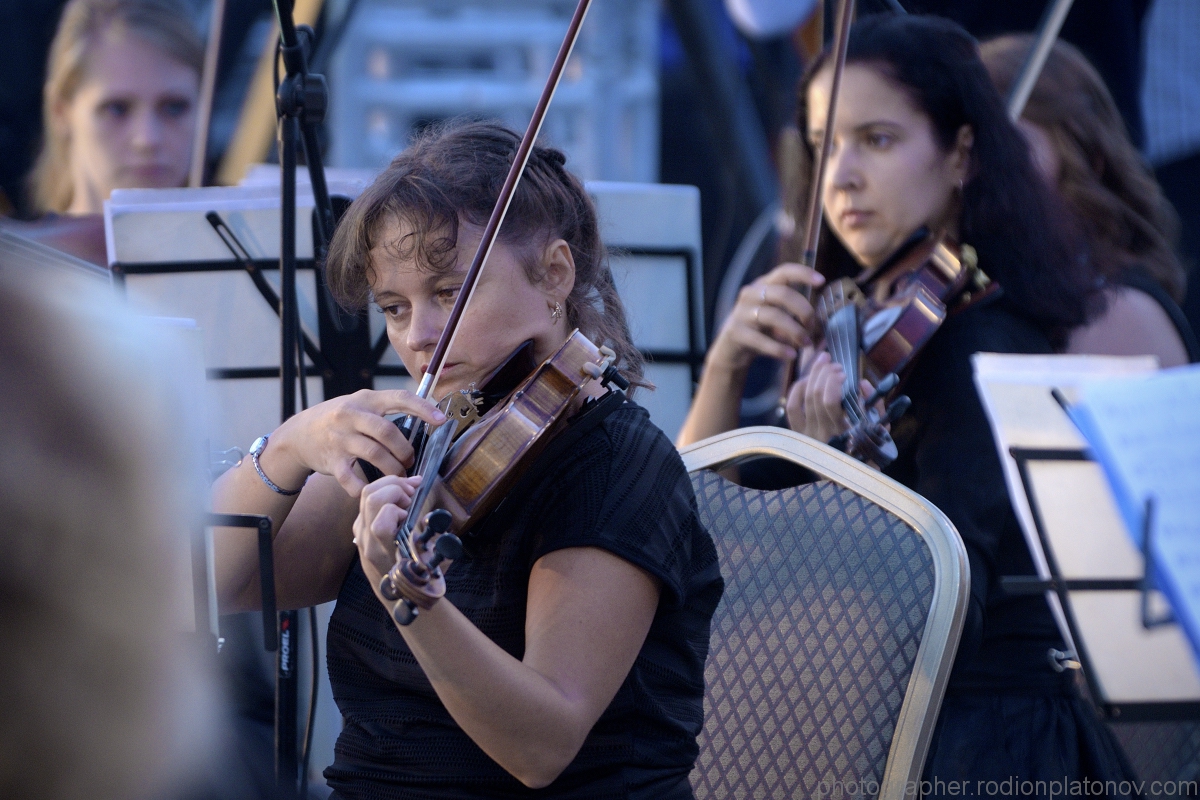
x,y
843,349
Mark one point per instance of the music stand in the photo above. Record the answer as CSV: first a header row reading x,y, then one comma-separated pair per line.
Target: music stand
x,y
1161,684
1092,572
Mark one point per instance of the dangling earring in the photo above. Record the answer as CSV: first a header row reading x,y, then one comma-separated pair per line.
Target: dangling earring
x,y
556,313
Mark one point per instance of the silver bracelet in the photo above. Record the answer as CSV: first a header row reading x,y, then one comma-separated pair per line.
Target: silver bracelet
x,y
256,450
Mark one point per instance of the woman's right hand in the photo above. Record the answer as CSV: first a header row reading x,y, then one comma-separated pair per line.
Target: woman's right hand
x,y
329,437
771,318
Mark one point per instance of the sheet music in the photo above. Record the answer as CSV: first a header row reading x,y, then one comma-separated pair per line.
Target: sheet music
x,y
1083,523
1015,392
1145,432
17,252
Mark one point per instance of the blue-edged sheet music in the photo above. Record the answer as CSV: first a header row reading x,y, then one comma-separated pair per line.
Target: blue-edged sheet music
x,y
1145,432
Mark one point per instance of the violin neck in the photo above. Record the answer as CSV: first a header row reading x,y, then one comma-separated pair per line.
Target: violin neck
x,y
842,340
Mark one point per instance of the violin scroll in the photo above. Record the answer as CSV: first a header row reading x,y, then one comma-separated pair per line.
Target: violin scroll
x,y
868,438
841,308
417,581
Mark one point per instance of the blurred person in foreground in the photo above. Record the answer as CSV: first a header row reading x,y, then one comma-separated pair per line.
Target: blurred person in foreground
x,y
1081,148
102,698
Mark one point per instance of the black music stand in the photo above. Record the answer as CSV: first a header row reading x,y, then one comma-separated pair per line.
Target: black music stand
x,y
266,566
300,104
1063,587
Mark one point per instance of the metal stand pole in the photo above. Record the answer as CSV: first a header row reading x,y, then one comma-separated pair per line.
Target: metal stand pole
x,y
300,106
286,685
290,107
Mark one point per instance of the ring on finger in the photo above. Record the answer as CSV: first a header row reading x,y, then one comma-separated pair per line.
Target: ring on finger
x,y
757,321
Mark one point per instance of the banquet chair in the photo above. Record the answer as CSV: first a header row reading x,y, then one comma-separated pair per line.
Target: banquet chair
x,y
832,645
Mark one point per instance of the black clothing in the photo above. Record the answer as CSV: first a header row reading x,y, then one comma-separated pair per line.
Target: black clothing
x,y
616,483
1179,180
948,455
1015,739
1007,712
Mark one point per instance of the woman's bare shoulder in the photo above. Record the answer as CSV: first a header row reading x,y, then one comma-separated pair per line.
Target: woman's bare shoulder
x,y
1132,324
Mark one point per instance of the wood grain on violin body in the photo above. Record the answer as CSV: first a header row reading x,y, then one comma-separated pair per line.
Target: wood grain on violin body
x,y
488,458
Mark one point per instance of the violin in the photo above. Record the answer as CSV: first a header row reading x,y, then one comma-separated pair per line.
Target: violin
x,y
472,460
840,310
468,471
908,298
874,327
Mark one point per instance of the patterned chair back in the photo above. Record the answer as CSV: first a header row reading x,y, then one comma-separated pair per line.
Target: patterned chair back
x,y
830,650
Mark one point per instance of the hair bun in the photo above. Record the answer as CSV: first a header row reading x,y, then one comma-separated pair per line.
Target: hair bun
x,y
552,155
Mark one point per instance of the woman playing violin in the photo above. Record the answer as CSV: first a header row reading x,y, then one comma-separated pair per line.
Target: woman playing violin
x,y
921,141
568,651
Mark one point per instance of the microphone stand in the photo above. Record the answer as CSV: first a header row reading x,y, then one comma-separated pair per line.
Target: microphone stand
x,y
300,105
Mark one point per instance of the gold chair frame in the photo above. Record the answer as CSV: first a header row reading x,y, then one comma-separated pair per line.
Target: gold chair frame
x,y
947,611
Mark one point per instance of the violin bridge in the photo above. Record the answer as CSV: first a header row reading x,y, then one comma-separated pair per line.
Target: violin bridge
x,y
462,406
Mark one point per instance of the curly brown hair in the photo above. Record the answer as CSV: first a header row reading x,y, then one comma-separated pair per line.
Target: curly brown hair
x,y
1103,179
451,175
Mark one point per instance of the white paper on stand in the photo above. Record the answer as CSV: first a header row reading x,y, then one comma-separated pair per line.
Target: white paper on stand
x,y
1015,391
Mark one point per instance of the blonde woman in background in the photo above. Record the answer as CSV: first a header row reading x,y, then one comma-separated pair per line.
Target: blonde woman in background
x,y
119,104
118,112
1080,145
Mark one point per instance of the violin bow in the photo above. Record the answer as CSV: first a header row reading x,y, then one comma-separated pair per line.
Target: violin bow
x,y
490,231
812,230
1039,51
208,83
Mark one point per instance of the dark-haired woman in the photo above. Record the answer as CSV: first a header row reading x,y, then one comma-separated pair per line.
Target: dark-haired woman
x,y
921,141
568,652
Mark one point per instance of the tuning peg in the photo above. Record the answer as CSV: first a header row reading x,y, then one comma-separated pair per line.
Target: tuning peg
x,y
404,613
613,376
896,409
448,547
885,386
435,522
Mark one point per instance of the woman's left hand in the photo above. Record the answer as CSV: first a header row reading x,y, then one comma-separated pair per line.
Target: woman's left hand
x,y
814,403
382,507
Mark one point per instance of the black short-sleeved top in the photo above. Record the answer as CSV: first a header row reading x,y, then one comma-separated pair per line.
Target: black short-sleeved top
x,y
610,480
948,455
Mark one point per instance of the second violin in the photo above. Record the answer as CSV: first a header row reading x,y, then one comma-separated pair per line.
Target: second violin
x,y
875,326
